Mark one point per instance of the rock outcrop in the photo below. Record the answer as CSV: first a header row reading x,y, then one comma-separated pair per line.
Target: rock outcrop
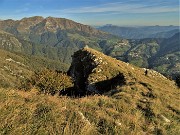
x,y
94,72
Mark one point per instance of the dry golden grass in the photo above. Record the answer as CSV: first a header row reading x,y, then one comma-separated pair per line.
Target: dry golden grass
x,y
145,105
33,113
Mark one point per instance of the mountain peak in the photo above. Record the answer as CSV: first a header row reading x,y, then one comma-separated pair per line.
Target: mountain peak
x,y
33,18
39,25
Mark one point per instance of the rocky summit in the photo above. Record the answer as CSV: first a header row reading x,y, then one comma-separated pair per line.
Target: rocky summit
x,y
94,72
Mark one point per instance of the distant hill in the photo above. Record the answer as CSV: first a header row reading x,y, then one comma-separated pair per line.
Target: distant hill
x,y
141,32
166,34
170,45
156,53
37,26
167,60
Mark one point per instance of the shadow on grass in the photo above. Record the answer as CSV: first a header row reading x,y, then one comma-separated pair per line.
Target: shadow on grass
x,y
101,87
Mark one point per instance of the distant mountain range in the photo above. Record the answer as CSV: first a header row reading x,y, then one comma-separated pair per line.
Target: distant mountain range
x,y
39,25
56,39
167,60
141,32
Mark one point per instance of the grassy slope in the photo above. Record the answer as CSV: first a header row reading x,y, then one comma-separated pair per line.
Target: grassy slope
x,y
12,69
145,105
29,113
16,67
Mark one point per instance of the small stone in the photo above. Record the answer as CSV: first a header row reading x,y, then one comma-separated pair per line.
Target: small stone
x,y
118,123
164,118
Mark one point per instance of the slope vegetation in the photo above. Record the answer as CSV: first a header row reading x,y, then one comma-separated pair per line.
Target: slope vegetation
x,y
15,67
126,101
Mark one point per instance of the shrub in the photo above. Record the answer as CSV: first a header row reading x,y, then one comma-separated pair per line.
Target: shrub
x,y
177,80
48,82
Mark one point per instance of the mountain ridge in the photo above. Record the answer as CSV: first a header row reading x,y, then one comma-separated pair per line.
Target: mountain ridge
x,y
141,32
52,24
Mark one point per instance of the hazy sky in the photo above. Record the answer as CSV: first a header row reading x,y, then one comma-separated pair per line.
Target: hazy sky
x,y
96,12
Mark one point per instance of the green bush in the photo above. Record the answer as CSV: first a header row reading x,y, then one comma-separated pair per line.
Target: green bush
x,y
48,82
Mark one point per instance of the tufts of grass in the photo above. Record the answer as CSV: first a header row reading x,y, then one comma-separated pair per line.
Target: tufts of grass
x,y
33,113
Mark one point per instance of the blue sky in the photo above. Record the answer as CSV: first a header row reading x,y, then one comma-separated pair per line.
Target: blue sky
x,y
96,12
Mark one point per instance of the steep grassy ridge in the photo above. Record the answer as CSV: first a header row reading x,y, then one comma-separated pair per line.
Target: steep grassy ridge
x,y
143,104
